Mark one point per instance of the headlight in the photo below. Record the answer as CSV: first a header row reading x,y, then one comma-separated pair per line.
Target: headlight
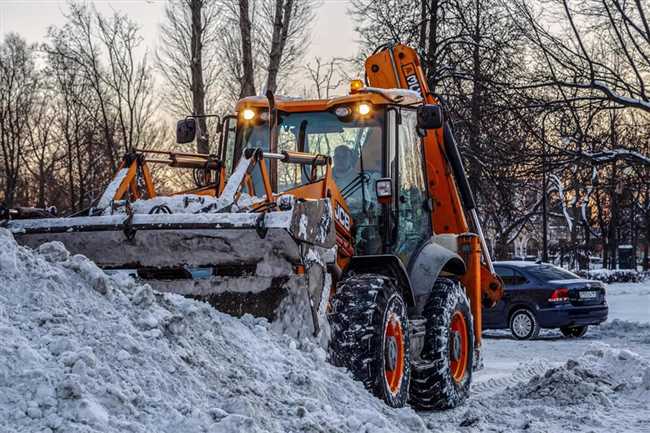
x,y
248,114
364,108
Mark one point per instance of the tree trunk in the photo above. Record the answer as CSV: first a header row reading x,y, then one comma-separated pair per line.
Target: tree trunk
x,y
281,22
646,247
613,224
41,186
432,49
423,27
501,247
474,168
196,66
248,78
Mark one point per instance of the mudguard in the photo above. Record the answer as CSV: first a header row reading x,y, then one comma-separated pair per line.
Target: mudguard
x,y
426,266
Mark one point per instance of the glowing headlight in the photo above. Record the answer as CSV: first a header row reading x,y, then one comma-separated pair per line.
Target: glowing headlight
x,y
248,114
363,108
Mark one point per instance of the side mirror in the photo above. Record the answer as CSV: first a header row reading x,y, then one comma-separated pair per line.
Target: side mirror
x,y
430,117
185,130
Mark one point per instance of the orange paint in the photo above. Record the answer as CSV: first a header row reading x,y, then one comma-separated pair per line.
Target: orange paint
x,y
394,330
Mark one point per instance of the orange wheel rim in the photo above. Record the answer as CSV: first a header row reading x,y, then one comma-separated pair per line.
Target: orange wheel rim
x,y
458,353
394,332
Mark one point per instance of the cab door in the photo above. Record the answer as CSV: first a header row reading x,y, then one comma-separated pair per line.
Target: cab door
x,y
411,198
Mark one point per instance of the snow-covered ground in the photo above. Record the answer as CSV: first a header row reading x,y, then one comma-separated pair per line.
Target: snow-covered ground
x,y
84,352
520,389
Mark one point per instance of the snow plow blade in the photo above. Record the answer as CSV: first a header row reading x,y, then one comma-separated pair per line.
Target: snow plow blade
x,y
239,262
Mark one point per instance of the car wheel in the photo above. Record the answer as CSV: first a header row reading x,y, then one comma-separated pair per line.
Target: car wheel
x,y
574,331
523,325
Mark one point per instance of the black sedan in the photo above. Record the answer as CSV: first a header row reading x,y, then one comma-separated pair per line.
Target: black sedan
x,y
544,296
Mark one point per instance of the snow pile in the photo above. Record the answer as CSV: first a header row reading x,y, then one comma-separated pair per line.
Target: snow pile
x,y
591,379
617,289
186,203
613,275
603,390
632,331
84,352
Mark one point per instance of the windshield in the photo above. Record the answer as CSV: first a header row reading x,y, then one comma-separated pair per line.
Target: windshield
x,y
550,272
355,145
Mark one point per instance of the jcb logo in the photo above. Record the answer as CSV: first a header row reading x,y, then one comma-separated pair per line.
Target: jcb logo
x,y
342,216
411,78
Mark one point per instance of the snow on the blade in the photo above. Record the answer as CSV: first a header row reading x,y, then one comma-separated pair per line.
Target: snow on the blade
x,y
111,189
82,351
185,204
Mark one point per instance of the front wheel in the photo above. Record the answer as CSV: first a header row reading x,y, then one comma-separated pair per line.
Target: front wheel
x,y
442,378
574,331
370,335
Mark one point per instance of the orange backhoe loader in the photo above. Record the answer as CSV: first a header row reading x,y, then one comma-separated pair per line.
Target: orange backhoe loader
x,y
362,224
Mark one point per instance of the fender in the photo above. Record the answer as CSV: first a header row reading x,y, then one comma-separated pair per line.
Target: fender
x,y
385,264
425,267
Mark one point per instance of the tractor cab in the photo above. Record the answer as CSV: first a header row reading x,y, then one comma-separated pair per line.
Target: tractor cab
x,y
373,141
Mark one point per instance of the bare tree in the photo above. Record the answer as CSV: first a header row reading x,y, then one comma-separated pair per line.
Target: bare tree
x,y
128,78
325,76
188,59
77,42
602,46
245,27
264,41
18,87
105,105
105,51
281,22
43,153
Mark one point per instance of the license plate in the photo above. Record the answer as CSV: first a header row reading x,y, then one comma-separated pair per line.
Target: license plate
x,y
588,294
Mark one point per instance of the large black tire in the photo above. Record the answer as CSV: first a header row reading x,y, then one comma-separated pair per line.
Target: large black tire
x,y
442,379
367,311
574,331
523,324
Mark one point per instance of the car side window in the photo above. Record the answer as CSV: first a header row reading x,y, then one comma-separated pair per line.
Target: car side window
x,y
518,278
510,276
506,274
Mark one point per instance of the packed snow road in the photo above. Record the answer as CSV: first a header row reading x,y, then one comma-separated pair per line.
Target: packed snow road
x,y
84,352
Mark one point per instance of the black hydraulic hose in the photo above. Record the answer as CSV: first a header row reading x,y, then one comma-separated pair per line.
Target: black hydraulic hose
x,y
453,155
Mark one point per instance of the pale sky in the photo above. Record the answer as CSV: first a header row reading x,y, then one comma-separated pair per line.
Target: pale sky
x,y
333,34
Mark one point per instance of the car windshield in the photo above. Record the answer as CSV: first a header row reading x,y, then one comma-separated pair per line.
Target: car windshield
x,y
550,272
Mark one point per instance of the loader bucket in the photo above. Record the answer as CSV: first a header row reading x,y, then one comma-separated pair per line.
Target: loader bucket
x,y
240,262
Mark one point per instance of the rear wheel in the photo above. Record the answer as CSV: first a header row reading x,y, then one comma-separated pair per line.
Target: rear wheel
x,y
523,324
370,335
574,331
442,378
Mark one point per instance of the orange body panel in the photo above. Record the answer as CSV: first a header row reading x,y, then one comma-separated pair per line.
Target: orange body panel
x,y
301,106
470,251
